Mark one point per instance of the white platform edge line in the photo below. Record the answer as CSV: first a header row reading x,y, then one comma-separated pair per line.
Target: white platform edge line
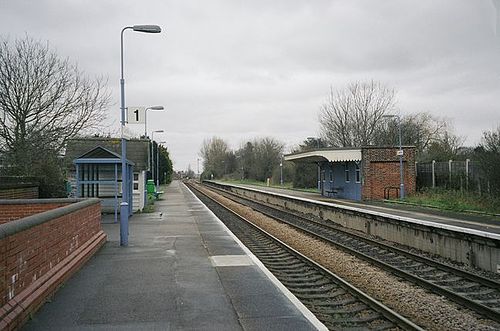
x,y
376,213
293,299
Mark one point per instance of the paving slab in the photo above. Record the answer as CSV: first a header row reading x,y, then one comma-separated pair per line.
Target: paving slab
x,y
182,270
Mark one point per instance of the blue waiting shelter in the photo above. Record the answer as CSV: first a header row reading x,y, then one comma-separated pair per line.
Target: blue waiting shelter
x,y
98,175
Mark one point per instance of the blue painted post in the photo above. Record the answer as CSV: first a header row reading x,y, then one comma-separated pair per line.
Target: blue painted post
x,y
124,212
77,180
116,193
124,224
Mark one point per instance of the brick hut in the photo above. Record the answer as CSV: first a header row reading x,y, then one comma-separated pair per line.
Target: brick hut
x,y
365,173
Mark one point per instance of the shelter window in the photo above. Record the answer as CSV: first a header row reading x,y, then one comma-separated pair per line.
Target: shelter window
x,y
346,171
358,173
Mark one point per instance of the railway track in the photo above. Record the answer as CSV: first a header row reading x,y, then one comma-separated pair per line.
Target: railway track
x,y
472,291
335,302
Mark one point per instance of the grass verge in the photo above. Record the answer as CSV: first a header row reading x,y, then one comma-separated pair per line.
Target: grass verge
x,y
455,201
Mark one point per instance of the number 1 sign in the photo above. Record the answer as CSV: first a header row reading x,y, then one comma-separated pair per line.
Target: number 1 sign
x,y
135,115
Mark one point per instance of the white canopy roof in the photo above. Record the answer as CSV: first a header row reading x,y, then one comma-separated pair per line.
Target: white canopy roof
x,y
322,155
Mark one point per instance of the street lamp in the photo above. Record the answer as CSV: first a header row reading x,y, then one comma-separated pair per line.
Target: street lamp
x,y
158,163
155,108
198,168
152,153
124,206
400,153
281,171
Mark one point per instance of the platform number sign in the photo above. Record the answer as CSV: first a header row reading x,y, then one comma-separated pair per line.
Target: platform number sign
x,y
135,115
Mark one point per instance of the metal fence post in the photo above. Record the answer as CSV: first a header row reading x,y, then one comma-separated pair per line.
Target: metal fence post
x,y
467,174
449,172
433,173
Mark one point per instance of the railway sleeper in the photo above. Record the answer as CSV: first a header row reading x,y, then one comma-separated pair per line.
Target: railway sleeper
x,y
311,290
306,283
352,309
336,303
308,296
300,280
371,316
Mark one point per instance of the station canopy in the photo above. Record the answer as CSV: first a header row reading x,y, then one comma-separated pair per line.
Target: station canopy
x,y
326,155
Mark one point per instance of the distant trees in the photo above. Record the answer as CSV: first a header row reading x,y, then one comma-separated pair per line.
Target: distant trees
x,y
267,156
165,164
215,152
44,101
255,159
432,136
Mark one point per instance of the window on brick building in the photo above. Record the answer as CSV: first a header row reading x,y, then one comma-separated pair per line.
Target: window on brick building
x,y
346,171
358,173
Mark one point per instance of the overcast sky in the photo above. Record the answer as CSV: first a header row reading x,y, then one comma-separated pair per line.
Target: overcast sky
x,y
245,69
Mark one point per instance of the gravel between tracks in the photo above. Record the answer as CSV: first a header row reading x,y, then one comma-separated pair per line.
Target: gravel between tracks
x,y
429,310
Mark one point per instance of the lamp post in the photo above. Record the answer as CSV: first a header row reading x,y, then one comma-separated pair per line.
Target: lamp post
x,y
400,153
152,153
124,206
158,163
281,171
155,108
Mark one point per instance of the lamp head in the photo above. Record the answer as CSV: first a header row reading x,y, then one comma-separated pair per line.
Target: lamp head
x,y
147,28
156,108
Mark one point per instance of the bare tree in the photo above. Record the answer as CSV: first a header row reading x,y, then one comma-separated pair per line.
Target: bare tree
x,y
267,157
214,152
351,115
44,101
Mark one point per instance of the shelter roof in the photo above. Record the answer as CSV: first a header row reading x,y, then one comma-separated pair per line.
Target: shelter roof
x,y
322,155
137,149
100,155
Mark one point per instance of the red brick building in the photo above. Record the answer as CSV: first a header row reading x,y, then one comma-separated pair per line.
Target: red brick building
x,y
366,173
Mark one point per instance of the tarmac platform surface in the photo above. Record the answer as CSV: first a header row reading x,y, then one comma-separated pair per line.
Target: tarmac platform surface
x,y
485,223
182,270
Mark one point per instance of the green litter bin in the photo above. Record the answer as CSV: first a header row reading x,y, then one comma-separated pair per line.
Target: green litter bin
x,y
150,188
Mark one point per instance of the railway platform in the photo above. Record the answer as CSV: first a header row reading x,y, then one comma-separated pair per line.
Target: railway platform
x,y
182,270
483,223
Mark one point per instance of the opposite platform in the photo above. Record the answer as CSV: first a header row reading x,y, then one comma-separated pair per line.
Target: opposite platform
x,y
182,270
474,222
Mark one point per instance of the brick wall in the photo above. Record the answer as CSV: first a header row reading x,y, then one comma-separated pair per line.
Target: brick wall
x,y
38,253
13,210
381,170
28,192
16,187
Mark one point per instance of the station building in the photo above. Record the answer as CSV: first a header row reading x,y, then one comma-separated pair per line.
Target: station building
x,y
94,170
365,173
